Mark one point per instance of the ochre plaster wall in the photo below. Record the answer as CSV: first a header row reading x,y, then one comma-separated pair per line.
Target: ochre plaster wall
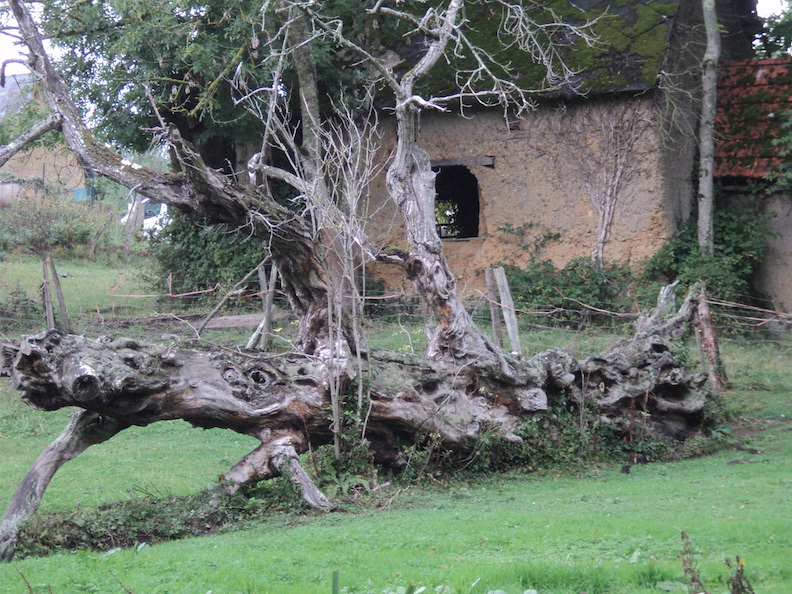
x,y
538,182
56,165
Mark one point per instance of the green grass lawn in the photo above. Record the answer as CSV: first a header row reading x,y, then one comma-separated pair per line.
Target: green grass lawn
x,y
596,530
93,292
603,531
606,532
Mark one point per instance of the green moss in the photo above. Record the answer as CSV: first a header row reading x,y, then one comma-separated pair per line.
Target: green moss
x,y
631,41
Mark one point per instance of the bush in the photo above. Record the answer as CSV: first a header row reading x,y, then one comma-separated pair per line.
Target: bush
x,y
196,255
43,220
740,225
740,233
542,286
40,221
18,310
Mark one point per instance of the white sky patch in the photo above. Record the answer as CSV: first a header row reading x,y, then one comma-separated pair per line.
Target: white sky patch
x,y
766,8
9,51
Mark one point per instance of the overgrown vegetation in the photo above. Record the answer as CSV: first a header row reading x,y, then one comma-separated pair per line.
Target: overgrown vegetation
x,y
150,518
189,256
44,220
18,310
741,228
583,290
780,178
572,293
566,438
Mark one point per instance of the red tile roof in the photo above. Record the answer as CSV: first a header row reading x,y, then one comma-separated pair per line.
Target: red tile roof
x,y
752,96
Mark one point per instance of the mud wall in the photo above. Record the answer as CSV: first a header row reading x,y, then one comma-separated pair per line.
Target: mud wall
x,y
56,165
538,179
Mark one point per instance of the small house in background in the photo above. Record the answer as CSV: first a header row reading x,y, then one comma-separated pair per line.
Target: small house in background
x,y
754,105
603,167
52,164
144,215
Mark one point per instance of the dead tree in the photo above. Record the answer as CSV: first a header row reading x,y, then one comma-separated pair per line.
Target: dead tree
x,y
461,389
285,401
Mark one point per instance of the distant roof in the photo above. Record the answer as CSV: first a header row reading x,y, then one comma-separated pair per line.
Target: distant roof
x,y
752,96
15,93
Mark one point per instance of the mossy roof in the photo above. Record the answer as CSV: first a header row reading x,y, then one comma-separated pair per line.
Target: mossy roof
x,y
631,41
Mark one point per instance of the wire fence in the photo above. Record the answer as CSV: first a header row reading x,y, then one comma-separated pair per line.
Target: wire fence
x,y
22,312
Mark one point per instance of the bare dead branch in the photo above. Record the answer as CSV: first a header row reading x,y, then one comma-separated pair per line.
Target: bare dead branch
x,y
33,133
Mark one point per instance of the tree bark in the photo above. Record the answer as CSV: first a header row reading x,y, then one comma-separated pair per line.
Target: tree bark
x,y
709,99
33,133
285,401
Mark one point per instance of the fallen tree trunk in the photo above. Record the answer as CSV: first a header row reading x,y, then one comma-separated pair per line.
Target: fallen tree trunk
x,y
284,399
465,389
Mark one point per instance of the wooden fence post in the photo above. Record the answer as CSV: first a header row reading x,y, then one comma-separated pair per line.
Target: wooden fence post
x,y
65,321
709,344
46,295
497,333
507,306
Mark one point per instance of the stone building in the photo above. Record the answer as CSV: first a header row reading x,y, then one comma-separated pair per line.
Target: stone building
x,y
604,168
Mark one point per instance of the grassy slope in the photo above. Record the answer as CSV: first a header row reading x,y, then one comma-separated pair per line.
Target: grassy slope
x,y
86,288
603,532
555,534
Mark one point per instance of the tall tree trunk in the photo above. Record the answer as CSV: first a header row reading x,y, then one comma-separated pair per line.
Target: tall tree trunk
x,y
709,84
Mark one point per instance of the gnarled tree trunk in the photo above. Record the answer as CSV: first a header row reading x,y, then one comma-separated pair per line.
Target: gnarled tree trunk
x,y
284,400
464,389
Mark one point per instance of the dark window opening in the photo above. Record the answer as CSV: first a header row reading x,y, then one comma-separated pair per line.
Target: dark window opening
x,y
456,202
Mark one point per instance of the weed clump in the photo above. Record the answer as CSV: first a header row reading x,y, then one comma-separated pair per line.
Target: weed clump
x,y
150,519
738,582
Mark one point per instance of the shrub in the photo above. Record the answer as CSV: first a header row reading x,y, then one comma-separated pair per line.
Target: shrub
x,y
18,310
40,221
197,255
542,286
740,233
44,220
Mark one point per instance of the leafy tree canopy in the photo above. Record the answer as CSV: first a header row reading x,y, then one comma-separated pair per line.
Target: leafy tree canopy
x,y
126,55
776,40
